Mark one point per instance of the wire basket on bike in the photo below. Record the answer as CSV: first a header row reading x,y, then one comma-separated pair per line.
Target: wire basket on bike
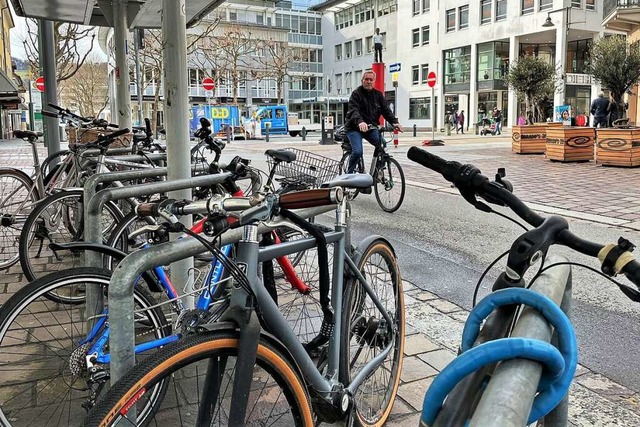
x,y
308,168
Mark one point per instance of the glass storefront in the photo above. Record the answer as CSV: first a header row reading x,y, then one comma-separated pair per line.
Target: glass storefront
x,y
579,98
487,101
451,103
577,56
457,65
545,51
493,60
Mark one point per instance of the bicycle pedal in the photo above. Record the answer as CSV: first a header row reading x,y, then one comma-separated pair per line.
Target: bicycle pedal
x,y
366,190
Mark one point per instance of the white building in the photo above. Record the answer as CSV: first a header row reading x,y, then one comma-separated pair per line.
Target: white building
x,y
468,43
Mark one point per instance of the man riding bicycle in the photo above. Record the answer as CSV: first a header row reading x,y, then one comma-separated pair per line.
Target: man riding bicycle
x,y
366,104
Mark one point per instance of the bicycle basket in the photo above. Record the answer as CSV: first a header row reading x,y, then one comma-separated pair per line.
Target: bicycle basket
x,y
309,168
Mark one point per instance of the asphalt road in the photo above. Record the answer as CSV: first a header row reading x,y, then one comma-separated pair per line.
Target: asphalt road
x,y
444,244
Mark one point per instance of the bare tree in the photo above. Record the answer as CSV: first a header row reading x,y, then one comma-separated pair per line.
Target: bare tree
x,y
277,63
73,45
87,90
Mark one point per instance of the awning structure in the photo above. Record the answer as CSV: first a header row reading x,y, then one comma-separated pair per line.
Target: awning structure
x,y
141,13
8,90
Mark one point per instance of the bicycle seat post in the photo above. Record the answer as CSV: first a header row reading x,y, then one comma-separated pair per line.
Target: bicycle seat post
x,y
33,140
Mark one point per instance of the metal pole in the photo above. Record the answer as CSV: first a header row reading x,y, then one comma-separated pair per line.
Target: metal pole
x,y
120,38
509,395
48,64
136,39
31,116
176,111
433,114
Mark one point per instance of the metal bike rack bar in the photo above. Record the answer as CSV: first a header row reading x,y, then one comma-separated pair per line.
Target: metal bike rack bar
x,y
509,395
121,307
94,259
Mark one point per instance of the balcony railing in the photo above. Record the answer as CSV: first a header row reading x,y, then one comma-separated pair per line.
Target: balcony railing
x,y
610,5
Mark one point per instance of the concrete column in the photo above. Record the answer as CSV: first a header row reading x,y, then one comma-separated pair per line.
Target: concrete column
x,y
136,39
48,65
512,99
561,58
473,89
176,114
122,116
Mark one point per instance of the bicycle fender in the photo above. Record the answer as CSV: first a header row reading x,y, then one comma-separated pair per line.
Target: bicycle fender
x,y
117,254
365,243
18,172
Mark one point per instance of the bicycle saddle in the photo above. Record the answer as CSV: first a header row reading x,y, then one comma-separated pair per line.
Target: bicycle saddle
x,y
281,155
350,180
26,134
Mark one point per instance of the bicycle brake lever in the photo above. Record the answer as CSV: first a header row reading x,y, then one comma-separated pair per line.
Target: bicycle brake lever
x,y
279,221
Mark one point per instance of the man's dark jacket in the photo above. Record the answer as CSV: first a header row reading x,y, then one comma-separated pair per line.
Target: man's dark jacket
x,y
600,107
367,106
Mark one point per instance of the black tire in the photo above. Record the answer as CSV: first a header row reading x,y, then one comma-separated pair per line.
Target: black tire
x,y
39,343
344,165
18,196
386,186
379,266
58,218
178,364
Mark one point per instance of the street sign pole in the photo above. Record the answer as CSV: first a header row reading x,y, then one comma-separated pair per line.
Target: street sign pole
x,y
431,81
433,114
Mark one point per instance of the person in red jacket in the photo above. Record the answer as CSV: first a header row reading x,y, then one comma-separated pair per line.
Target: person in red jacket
x,y
460,122
366,105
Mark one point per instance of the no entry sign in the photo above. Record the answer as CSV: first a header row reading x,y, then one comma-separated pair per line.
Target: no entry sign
x,y
208,83
40,84
431,79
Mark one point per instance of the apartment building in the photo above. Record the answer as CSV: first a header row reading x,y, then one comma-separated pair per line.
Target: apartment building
x,y
11,103
469,44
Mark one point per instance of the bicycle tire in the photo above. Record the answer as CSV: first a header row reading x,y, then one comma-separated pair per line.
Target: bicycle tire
x,y
358,317
15,206
65,227
344,165
384,188
169,362
39,345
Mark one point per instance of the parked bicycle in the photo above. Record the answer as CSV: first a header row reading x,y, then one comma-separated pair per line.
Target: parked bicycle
x,y
484,383
387,174
228,376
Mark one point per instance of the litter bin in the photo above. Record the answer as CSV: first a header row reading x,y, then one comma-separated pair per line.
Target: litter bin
x,y
477,128
448,128
63,132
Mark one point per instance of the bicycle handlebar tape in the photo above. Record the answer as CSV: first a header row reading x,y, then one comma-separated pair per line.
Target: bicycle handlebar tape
x,y
147,209
560,363
311,198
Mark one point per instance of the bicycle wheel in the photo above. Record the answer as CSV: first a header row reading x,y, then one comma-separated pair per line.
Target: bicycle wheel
x,y
200,370
58,219
18,196
344,165
45,378
389,185
365,334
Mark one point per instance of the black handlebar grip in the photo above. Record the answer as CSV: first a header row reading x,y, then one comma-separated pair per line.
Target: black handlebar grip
x,y
50,114
118,133
427,159
632,271
147,209
56,107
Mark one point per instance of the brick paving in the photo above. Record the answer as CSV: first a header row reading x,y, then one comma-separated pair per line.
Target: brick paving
x,y
434,325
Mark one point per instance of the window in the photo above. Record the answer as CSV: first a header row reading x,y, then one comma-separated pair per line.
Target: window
x,y
457,65
451,20
233,16
416,7
415,75
576,3
260,19
485,11
347,50
358,45
426,5
425,35
463,17
368,43
546,4
501,10
424,73
527,6
591,4
338,52
419,108
338,83
415,37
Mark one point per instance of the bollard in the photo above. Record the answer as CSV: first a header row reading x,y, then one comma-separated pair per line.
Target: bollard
x,y
395,138
415,130
303,133
266,131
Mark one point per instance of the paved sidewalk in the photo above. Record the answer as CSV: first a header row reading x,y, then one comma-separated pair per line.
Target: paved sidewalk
x,y
434,325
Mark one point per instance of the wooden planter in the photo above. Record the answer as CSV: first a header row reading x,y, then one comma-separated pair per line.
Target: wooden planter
x,y
531,139
570,143
618,147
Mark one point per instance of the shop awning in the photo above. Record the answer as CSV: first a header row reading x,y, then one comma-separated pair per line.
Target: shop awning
x,y
7,86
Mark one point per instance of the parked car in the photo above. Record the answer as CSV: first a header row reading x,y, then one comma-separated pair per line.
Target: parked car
x,y
339,133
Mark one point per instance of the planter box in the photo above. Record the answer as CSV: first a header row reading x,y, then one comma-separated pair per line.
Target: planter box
x,y
530,139
618,147
570,143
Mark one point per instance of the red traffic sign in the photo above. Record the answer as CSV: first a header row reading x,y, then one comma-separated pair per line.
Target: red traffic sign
x,y
208,84
40,84
431,79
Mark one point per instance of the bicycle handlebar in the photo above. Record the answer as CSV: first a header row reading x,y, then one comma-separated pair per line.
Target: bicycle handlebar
x,y
471,182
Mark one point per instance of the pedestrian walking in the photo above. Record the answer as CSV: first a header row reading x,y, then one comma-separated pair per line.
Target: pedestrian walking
x,y
377,46
497,117
600,110
454,120
613,111
461,121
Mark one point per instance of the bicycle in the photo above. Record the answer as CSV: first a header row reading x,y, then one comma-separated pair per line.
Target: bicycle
x,y
387,173
487,395
340,383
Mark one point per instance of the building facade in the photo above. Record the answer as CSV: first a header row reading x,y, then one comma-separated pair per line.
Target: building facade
x,y
469,44
11,90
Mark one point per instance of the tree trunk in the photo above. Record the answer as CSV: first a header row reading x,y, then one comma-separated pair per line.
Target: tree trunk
x,y
528,105
154,110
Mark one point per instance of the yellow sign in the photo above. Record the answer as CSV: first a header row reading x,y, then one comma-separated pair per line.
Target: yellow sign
x,y
394,77
219,113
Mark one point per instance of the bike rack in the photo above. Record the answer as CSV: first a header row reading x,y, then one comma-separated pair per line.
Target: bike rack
x,y
121,307
509,395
